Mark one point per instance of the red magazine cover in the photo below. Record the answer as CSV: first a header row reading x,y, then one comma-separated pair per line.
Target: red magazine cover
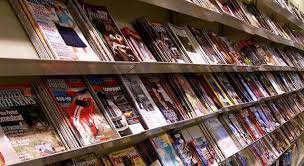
x,y
244,119
77,103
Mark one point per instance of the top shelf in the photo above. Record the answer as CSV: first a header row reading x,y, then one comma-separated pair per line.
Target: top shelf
x,y
283,12
191,9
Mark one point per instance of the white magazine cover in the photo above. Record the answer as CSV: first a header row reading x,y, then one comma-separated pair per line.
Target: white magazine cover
x,y
221,136
60,31
188,45
145,105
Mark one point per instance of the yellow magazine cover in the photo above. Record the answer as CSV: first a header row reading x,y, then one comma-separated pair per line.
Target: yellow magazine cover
x,y
217,90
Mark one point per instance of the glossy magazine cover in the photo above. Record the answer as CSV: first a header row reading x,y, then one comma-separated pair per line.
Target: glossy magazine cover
x,y
83,114
117,104
25,132
184,151
161,98
60,31
165,151
145,105
126,157
105,25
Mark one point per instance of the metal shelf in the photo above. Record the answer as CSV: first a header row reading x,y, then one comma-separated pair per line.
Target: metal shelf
x,y
37,67
283,12
104,148
190,9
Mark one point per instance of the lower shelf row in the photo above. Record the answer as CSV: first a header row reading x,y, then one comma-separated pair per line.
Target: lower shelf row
x,y
61,117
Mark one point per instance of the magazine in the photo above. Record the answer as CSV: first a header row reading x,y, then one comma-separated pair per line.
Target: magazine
x,y
117,104
138,45
221,137
25,130
126,157
183,150
78,105
145,105
159,41
60,31
161,98
188,44
165,151
107,29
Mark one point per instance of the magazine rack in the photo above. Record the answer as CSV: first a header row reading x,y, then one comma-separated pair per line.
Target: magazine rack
x,y
14,39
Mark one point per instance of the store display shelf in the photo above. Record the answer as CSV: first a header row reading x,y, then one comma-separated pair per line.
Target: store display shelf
x,y
283,12
190,9
106,147
37,67
265,135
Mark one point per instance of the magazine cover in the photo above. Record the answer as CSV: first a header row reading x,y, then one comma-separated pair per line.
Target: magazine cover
x,y
107,29
138,45
201,93
78,105
60,31
166,151
145,105
147,152
188,44
117,104
24,127
159,41
126,157
183,150
217,90
196,104
221,137
237,132
161,98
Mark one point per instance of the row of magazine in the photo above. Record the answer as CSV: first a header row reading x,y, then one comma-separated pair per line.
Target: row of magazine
x,y
57,113
209,143
249,13
291,8
79,31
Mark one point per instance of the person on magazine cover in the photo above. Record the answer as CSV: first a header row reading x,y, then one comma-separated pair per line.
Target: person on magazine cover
x,y
65,26
118,44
